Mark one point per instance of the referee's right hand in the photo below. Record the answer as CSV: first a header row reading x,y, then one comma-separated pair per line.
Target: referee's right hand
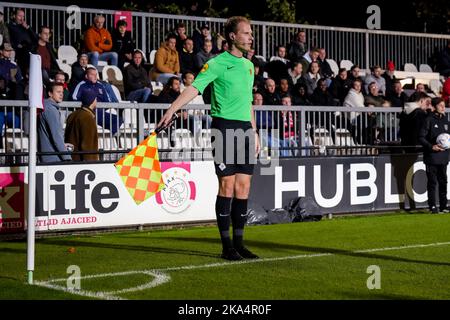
x,y
166,118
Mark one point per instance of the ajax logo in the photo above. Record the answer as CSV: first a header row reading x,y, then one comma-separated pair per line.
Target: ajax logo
x,y
179,193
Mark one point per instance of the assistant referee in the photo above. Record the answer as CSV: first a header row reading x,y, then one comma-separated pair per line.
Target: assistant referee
x,y
234,138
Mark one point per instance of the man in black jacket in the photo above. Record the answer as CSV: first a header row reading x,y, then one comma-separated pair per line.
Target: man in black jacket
x,y
122,43
435,156
411,120
138,86
22,38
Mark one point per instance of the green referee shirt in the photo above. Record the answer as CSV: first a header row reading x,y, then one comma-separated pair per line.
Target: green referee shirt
x,y
232,82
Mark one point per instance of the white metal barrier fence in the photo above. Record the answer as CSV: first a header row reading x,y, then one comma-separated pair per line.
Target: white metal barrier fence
x,y
361,46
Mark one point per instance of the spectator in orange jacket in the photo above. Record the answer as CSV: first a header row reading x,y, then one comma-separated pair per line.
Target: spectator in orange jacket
x,y
167,63
98,43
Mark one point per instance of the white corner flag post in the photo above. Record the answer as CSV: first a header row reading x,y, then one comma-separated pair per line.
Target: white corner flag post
x,y
34,102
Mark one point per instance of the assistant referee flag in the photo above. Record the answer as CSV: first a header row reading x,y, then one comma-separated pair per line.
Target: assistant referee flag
x,y
140,170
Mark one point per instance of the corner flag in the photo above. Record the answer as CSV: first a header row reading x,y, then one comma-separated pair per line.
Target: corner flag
x,y
140,170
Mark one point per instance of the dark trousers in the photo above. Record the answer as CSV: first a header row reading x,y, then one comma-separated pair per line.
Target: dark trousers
x,y
437,175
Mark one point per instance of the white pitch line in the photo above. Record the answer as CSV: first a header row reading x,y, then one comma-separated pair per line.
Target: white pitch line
x,y
161,277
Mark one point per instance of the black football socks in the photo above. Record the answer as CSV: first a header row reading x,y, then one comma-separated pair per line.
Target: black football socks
x,y
223,205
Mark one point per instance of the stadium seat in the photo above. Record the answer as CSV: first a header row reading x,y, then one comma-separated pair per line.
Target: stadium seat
x,y
333,65
67,54
409,67
118,95
261,58
435,86
111,73
425,68
347,64
322,137
152,56
66,69
16,140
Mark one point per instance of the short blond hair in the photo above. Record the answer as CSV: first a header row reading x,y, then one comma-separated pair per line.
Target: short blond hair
x,y
232,24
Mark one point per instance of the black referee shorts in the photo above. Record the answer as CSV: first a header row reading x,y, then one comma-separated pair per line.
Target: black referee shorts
x,y
233,144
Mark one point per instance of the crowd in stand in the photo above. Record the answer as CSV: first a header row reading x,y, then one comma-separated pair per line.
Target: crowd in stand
x,y
298,74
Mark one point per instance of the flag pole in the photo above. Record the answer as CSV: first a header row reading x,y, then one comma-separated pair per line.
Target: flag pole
x,y
35,101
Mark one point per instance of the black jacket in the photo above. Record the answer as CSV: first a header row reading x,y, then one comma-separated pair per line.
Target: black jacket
x,y
434,125
135,78
411,121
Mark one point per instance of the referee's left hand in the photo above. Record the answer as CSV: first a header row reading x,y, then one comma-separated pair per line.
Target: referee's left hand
x,y
257,145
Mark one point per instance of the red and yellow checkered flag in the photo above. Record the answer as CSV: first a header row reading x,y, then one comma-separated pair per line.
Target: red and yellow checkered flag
x,y
140,170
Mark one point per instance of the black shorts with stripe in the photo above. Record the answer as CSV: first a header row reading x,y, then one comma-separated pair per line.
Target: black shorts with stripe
x,y
233,144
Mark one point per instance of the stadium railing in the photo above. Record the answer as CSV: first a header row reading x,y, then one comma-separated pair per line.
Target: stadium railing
x,y
314,131
361,46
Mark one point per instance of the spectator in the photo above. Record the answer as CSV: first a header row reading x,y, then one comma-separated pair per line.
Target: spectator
x,y
295,72
171,91
374,99
411,120
280,55
443,64
376,77
78,71
312,77
264,122
325,68
61,78
200,37
300,95
271,97
11,88
354,74
123,44
284,88
49,127
309,57
187,56
435,156
322,119
224,46
138,86
298,47
446,90
321,96
358,121
397,97
11,81
258,84
188,78
4,33
98,43
420,88
181,37
167,63
81,128
389,77
22,39
203,55
289,122
105,119
340,86
48,55
169,94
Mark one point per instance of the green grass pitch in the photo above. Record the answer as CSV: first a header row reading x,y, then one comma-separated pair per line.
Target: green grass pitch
x,y
316,260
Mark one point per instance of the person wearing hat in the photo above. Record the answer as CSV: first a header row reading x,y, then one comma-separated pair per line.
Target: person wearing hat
x,y
4,33
78,71
49,127
389,77
11,79
81,128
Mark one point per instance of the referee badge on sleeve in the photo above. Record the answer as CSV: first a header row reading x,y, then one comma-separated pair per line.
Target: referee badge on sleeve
x,y
205,67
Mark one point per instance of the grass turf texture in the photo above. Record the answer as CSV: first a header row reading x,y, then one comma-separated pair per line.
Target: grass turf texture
x,y
409,273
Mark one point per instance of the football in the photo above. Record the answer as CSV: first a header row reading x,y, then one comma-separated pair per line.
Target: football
x,y
443,140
